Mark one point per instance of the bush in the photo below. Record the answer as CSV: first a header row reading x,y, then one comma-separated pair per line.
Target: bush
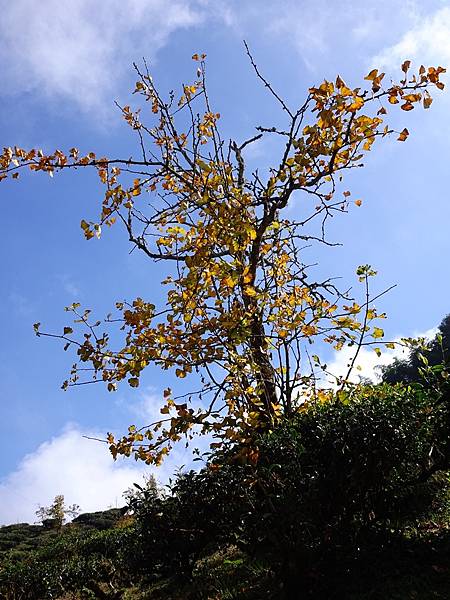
x,y
330,492
74,561
340,471
104,519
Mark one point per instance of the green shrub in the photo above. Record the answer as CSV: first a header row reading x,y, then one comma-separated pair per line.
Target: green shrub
x,y
76,560
356,466
331,491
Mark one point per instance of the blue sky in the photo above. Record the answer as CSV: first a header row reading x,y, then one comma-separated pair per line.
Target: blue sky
x,y
61,69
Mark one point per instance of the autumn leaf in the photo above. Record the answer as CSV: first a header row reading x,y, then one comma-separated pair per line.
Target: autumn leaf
x,y
427,100
406,65
403,135
357,103
372,75
237,298
377,333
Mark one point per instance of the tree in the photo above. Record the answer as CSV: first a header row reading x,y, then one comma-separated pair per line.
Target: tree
x,y
56,514
241,309
136,493
433,353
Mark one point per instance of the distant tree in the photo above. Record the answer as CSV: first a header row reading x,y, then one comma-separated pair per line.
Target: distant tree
x,y
242,308
431,354
55,515
137,492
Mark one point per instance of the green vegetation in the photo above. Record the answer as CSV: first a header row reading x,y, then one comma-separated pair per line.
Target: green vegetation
x,y
349,499
435,353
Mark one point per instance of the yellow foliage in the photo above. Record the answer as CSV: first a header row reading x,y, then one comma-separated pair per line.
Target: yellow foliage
x,y
241,309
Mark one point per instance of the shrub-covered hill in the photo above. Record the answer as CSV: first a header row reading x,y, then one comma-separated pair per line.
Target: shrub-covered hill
x,y
349,499
20,538
416,566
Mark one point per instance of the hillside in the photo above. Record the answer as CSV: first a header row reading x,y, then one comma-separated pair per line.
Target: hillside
x,y
84,555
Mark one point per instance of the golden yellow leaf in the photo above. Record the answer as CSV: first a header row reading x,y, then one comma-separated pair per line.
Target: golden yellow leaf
x,y
356,104
377,333
250,291
403,135
372,75
345,91
412,97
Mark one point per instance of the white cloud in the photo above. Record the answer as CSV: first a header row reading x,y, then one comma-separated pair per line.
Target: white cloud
x,y
428,41
80,50
367,360
81,469
324,32
148,406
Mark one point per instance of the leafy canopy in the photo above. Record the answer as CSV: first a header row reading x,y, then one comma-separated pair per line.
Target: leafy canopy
x,y
241,309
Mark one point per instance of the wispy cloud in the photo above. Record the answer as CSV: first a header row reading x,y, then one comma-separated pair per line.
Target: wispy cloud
x,y
78,51
428,41
147,407
21,305
328,36
81,51
323,32
69,286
